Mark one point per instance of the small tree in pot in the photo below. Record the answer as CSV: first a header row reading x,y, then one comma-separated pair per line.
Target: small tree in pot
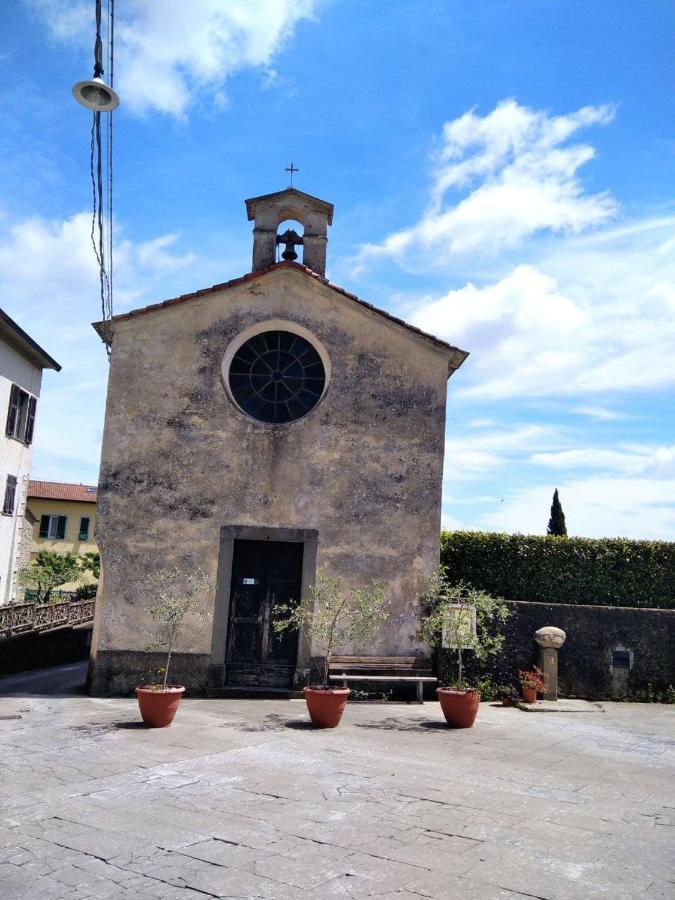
x,y
173,594
461,618
334,617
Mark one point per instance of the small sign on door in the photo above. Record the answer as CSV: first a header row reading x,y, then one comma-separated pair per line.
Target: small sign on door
x,y
249,580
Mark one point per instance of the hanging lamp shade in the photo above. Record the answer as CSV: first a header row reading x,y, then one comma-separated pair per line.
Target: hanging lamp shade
x,y
96,94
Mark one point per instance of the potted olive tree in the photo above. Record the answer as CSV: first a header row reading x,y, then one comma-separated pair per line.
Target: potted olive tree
x,y
173,595
334,617
461,618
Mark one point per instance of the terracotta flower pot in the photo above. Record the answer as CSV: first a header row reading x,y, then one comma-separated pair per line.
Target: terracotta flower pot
x,y
325,707
529,694
460,707
158,706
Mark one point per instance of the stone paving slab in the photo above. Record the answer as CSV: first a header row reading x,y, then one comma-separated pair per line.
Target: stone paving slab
x,y
562,706
240,798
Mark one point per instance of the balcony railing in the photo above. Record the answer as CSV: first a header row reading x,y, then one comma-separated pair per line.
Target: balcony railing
x,y
23,618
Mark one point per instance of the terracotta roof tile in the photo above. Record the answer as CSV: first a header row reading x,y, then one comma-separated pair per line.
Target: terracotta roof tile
x,y
457,359
57,490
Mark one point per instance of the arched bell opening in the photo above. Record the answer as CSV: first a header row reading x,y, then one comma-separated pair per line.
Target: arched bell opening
x,y
274,213
289,241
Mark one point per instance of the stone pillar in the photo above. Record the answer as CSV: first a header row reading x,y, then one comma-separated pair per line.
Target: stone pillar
x,y
550,640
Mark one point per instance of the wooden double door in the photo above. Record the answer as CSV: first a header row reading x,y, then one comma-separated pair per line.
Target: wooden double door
x,y
264,575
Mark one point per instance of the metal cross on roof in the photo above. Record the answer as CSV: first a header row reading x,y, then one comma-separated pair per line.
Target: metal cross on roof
x,y
291,169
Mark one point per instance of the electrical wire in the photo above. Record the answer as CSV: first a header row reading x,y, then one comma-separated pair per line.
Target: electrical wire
x,y
111,75
102,181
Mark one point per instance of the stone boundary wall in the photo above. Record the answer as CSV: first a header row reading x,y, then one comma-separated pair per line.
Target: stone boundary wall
x,y
585,662
36,650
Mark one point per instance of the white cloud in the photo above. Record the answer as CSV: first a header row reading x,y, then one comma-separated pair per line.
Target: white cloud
x,y
662,463
170,52
599,412
628,490
594,507
469,456
49,285
521,176
591,316
655,462
50,265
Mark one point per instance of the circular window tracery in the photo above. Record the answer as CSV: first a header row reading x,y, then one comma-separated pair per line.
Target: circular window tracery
x,y
276,376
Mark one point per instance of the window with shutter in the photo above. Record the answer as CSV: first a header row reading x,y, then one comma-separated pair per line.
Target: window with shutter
x,y
10,496
84,529
61,528
13,411
44,526
30,420
21,415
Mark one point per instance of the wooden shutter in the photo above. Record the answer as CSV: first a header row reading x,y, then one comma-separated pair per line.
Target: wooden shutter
x,y
84,528
61,528
10,495
30,421
13,411
44,526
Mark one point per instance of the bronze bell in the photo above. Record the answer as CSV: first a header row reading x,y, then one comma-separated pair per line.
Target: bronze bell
x,y
291,239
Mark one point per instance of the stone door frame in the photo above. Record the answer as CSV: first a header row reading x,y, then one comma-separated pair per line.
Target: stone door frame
x,y
309,538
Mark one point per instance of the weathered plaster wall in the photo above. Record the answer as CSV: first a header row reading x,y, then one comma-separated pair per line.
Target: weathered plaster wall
x,y
585,660
179,460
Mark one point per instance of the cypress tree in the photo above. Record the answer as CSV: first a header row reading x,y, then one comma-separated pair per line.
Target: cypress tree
x,y
556,524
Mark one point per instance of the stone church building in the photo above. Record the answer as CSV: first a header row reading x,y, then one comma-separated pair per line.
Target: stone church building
x,y
265,430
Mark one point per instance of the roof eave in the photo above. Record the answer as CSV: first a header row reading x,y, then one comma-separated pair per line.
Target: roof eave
x,y
327,207
456,359
26,345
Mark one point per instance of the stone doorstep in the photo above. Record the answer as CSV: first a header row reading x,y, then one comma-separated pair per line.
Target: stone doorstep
x,y
561,706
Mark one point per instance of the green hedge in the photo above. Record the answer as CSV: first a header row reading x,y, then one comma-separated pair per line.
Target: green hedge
x,y
606,572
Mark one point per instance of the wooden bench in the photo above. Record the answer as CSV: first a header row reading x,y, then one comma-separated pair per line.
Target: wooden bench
x,y
405,669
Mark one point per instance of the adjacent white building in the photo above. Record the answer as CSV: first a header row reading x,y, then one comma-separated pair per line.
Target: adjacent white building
x,y
22,362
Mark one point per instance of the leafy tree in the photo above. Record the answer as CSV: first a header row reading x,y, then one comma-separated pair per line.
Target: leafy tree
x,y
49,570
174,594
91,562
448,614
335,616
556,524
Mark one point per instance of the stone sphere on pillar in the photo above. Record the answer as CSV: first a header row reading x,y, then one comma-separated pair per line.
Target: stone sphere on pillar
x,y
550,637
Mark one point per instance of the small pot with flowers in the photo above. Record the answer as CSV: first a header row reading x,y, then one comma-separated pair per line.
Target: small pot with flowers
x,y
507,694
334,617
532,683
175,594
461,618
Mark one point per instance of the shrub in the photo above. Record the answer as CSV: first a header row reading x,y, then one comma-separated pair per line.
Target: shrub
x,y
448,613
86,591
551,569
174,595
335,616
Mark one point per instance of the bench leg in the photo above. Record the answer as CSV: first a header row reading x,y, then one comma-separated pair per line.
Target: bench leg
x,y
420,692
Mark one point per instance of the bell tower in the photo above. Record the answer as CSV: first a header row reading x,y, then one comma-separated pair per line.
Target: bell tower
x,y
270,210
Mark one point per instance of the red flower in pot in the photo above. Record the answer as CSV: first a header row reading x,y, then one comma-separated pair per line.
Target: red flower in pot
x,y
532,683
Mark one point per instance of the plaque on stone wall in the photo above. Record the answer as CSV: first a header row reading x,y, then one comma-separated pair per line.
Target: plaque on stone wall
x,y
459,628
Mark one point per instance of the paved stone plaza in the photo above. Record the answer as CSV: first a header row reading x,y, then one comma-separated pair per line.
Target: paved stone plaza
x,y
242,799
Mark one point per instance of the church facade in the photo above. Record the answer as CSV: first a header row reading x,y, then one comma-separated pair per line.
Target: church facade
x,y
266,430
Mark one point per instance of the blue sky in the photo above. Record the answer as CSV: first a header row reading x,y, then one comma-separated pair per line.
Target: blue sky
x,y
502,174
